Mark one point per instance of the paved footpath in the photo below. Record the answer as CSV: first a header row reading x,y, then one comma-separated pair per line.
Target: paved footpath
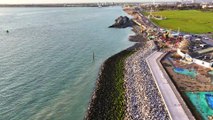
x,y
173,105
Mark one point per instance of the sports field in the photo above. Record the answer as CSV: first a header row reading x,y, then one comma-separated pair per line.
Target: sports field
x,y
192,21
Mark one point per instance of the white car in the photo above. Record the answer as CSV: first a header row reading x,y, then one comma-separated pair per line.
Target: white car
x,y
205,38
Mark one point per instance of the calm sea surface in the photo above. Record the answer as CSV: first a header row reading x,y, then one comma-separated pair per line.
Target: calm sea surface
x,y
46,68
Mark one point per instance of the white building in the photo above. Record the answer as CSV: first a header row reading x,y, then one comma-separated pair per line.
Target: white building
x,y
206,6
188,58
193,1
202,63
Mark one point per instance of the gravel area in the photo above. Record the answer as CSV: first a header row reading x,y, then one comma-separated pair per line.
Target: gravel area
x,y
142,96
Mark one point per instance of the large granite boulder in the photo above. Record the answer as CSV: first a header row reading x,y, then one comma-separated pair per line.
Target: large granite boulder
x,y
122,22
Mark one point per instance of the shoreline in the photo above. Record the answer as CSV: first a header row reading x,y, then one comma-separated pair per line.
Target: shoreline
x,y
143,100
102,107
94,107
97,108
94,110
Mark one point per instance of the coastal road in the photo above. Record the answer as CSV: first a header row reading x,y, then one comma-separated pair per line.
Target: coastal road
x,y
174,107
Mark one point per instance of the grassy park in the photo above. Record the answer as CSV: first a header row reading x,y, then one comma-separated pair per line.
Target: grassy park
x,y
192,21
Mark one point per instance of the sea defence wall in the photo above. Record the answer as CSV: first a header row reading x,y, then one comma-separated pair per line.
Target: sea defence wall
x,y
125,88
108,100
134,95
143,98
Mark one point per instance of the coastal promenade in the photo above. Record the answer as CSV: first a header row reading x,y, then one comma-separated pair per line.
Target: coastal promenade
x,y
173,105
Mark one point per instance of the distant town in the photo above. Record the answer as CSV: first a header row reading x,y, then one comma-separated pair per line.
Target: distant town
x,y
181,4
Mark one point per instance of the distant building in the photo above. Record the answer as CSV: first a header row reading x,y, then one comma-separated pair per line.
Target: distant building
x,y
200,62
193,1
180,5
205,6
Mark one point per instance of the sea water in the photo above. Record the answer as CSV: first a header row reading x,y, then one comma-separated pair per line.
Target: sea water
x,y
46,60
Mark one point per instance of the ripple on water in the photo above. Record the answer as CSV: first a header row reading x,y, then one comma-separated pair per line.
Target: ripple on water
x,y
46,67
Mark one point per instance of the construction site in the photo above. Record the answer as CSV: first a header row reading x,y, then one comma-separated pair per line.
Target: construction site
x,y
188,60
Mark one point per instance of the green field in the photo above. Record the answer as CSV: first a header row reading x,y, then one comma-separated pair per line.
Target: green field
x,y
192,21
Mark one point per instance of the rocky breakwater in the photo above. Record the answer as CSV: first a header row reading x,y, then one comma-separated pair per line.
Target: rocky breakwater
x,y
108,100
142,96
122,22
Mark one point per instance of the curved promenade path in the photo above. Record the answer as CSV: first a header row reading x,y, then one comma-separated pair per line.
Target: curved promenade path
x,y
173,105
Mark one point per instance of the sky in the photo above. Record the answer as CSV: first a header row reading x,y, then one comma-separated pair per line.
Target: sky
x,y
83,1
71,1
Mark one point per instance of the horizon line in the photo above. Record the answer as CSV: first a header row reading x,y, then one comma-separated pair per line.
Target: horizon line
x,y
81,3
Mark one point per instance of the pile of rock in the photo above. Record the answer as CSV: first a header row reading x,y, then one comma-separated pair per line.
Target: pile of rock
x,y
142,96
122,22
